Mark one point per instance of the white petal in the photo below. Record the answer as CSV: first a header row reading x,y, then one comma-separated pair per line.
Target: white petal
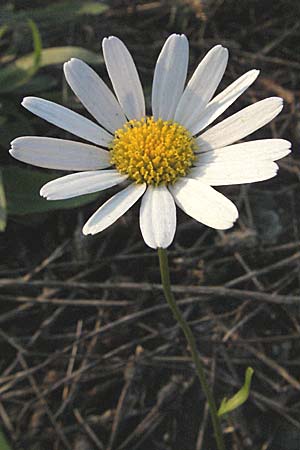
x,y
228,172
59,154
202,86
169,76
222,101
94,94
80,184
114,208
204,203
124,77
240,125
247,152
67,120
158,217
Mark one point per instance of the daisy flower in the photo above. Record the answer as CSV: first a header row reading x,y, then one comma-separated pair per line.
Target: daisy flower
x,y
168,158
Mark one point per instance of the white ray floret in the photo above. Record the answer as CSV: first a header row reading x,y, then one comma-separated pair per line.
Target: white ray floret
x,y
202,86
94,94
113,209
169,77
80,184
222,101
253,151
60,154
204,203
158,217
170,166
225,173
67,120
240,124
124,77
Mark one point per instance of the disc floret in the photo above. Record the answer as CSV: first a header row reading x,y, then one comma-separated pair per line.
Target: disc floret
x,y
156,152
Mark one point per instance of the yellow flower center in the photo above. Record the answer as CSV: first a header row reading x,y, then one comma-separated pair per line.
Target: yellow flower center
x,y
153,151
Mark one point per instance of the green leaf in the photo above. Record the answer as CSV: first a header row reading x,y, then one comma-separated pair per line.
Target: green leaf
x,y
22,188
39,83
55,12
239,398
3,442
37,45
2,215
91,8
3,30
20,72
17,73
59,55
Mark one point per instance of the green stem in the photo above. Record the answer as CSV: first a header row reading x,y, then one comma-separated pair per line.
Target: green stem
x,y
165,278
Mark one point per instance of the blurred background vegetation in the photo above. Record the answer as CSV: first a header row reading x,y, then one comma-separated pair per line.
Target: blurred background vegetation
x,y
90,357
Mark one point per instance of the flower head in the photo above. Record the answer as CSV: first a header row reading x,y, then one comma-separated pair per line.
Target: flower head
x,y
165,158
